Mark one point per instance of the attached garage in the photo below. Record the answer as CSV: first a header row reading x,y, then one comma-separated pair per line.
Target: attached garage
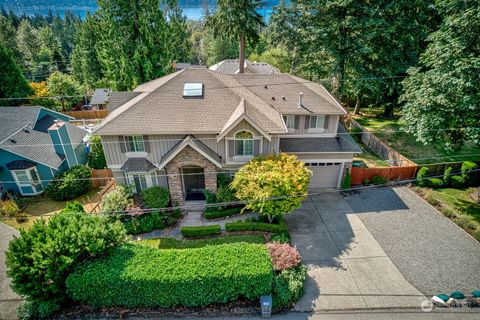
x,y
324,175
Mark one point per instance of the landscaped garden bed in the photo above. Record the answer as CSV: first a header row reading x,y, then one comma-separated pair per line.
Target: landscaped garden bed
x,y
453,195
170,243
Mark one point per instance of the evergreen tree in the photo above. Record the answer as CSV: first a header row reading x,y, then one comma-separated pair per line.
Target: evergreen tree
x,y
12,81
29,45
237,19
86,67
7,37
442,93
134,42
179,31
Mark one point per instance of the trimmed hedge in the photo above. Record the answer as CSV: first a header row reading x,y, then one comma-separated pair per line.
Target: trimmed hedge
x,y
216,214
288,287
434,183
70,184
137,276
421,176
201,231
256,226
170,243
457,182
447,176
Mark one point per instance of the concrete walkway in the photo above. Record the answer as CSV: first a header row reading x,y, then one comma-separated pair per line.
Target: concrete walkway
x,y
347,268
9,301
195,219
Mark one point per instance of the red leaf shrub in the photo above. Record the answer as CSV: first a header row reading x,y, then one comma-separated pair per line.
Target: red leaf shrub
x,y
283,256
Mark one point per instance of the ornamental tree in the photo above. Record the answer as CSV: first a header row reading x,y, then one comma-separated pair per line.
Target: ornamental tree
x,y
272,185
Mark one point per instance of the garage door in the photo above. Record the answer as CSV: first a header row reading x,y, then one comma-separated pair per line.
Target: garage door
x,y
325,175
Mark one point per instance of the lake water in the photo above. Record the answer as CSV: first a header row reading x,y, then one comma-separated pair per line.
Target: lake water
x,y
192,13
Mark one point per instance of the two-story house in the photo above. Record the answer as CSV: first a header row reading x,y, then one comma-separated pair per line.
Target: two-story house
x,y
35,144
181,130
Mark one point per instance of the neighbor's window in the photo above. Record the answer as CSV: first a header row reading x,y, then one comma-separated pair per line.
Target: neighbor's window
x,y
135,144
244,143
317,122
289,121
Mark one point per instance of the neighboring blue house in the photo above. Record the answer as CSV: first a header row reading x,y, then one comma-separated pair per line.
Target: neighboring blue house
x,y
35,144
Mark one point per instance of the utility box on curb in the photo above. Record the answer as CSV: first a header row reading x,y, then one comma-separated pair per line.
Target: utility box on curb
x,y
266,306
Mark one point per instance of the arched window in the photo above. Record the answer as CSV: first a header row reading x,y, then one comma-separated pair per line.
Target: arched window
x,y
244,143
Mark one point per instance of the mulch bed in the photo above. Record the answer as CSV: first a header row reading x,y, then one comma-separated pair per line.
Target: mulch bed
x,y
236,308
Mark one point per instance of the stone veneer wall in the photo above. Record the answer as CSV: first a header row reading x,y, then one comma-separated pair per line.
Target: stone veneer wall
x,y
189,157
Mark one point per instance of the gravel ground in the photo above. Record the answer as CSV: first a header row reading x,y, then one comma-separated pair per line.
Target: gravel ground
x,y
431,252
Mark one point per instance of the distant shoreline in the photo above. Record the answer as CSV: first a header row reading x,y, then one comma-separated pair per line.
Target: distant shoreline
x,y
192,13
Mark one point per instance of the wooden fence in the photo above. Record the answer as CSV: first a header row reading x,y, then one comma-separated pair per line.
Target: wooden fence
x,y
88,114
358,175
101,177
380,147
110,186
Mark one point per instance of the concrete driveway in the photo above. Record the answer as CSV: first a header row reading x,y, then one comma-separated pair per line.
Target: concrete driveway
x,y
347,268
379,248
9,301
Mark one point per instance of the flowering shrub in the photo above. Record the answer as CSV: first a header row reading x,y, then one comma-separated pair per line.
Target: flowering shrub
x,y
283,256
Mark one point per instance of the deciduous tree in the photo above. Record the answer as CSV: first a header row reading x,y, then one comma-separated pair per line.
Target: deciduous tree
x,y
441,98
273,185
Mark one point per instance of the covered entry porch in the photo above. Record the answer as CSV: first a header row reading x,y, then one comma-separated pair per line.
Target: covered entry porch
x,y
191,169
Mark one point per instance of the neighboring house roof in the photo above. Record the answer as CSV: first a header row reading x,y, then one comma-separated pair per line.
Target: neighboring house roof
x,y
160,108
182,65
196,144
35,143
118,99
137,165
232,66
100,96
13,119
342,143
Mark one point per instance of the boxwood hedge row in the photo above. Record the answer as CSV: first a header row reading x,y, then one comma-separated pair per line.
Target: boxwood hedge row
x,y
137,276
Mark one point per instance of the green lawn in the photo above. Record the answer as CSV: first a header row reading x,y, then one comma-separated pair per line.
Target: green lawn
x,y
405,143
44,208
169,243
457,204
370,158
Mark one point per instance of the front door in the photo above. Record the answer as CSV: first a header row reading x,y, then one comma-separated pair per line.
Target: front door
x,y
193,182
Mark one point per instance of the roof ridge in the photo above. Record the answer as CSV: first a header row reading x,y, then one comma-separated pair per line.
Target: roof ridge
x,y
240,86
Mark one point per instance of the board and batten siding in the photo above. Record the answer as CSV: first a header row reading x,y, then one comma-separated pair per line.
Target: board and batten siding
x,y
159,145
301,124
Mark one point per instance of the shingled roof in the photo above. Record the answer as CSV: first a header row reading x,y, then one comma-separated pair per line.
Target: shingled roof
x,y
161,108
33,143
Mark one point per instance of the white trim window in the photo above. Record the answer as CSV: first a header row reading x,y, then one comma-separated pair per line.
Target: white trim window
x,y
28,178
243,144
317,122
140,181
135,144
289,121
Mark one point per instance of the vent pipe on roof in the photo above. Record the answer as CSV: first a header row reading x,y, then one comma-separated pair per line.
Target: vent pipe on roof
x,y
300,100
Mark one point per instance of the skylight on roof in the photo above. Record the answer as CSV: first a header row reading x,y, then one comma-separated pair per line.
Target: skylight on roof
x,y
193,90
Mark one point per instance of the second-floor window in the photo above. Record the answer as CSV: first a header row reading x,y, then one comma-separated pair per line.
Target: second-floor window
x,y
317,122
135,144
244,143
289,121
